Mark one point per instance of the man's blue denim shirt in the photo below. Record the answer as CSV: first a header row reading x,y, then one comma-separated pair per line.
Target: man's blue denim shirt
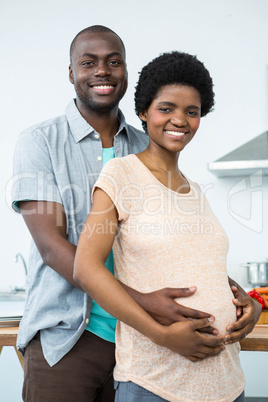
x,y
59,161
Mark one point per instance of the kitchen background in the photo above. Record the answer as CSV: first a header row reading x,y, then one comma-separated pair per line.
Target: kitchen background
x,y
229,36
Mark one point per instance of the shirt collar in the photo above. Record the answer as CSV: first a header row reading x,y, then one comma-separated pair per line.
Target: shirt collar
x,y
80,128
123,126
78,125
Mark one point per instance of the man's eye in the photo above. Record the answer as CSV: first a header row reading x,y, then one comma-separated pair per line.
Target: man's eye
x,y
88,63
115,62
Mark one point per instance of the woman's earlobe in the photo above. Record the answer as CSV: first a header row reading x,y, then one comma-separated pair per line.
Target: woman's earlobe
x,y
143,116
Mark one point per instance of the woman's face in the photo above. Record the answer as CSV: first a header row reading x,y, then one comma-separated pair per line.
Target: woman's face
x,y
173,117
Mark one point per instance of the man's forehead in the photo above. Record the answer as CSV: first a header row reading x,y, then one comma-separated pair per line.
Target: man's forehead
x,y
97,41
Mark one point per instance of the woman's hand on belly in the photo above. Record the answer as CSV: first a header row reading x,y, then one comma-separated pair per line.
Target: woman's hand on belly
x,y
185,338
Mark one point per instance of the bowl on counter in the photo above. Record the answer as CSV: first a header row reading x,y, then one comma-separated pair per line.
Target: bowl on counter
x,y
257,273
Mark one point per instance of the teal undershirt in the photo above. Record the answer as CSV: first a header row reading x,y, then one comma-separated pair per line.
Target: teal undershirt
x,y
101,323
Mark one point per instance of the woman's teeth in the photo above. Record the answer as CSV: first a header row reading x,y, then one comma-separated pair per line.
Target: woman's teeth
x,y
175,133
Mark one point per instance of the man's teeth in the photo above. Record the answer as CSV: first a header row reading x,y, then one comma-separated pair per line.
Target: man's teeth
x,y
175,133
103,86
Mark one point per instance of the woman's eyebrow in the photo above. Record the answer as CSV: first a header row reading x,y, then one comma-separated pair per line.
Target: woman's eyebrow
x,y
166,103
194,107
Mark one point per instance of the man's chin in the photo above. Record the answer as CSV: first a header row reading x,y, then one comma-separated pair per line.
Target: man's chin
x,y
103,108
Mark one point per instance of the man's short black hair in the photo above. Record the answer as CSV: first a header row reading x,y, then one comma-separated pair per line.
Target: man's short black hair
x,y
94,29
173,68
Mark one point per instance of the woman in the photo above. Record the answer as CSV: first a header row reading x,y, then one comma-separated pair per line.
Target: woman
x,y
164,234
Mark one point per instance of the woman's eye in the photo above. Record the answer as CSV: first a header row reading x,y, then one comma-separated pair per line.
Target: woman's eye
x,y
165,110
193,113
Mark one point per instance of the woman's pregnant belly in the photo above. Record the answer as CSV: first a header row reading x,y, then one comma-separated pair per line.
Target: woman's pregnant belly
x,y
213,296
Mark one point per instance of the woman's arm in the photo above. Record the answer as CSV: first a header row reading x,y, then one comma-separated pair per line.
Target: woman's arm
x,y
93,248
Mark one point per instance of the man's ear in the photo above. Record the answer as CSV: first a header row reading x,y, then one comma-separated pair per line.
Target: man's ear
x,y
71,74
143,115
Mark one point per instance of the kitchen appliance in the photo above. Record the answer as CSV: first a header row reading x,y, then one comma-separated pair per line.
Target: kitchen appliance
x,y
257,273
247,159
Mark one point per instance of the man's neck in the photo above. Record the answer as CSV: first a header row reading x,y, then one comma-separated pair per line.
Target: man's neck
x,y
106,123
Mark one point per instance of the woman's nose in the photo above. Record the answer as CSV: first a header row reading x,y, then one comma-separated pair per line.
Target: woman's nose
x,y
179,119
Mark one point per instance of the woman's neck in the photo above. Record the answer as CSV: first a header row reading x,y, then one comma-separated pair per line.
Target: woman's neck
x,y
165,168
161,160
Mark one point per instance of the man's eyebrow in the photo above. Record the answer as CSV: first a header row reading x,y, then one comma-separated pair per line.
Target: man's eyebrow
x,y
94,56
114,54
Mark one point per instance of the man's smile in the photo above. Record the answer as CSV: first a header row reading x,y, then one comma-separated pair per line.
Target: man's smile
x,y
103,88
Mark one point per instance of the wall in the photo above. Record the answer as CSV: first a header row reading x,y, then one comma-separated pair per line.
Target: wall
x,y
229,36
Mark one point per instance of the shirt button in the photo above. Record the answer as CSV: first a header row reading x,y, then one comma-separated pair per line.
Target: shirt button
x,y
87,320
99,158
96,136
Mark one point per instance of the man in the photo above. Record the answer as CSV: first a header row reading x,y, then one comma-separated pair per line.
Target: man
x,y
66,339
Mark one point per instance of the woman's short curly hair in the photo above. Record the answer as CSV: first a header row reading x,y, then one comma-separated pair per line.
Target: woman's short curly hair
x,y
173,68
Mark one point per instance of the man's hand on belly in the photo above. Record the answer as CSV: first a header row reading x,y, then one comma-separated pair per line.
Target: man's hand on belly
x,y
161,305
248,312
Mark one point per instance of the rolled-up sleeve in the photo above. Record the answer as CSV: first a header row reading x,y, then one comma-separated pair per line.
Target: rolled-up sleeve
x,y
33,178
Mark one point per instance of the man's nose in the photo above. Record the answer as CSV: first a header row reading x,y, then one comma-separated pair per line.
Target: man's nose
x,y
102,70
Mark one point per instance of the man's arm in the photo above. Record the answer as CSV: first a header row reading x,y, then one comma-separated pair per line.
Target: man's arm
x,y
248,312
161,305
46,222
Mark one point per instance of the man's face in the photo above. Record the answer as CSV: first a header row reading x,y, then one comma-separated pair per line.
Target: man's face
x,y
98,71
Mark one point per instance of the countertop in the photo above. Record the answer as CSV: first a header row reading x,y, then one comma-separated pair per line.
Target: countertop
x,y
257,340
8,336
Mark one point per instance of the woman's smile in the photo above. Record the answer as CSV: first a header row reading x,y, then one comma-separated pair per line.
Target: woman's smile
x,y
173,133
